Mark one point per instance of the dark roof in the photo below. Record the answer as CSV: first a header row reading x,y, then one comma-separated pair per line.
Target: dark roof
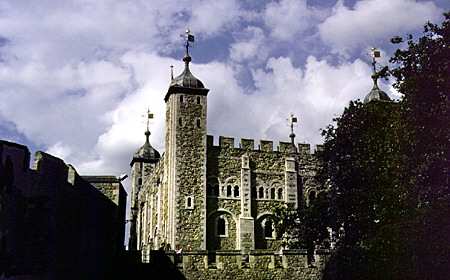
x,y
186,82
146,153
186,79
376,94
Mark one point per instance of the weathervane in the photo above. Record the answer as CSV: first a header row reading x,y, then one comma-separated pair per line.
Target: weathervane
x,y
292,120
189,38
374,54
148,116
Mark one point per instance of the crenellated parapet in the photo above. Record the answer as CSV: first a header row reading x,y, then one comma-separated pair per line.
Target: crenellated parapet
x,y
226,142
254,264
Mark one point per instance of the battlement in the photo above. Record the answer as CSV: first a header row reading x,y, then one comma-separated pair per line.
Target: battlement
x,y
226,142
255,264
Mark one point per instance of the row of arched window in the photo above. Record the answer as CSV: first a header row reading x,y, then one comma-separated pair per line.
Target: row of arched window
x,y
198,123
268,193
233,191
182,99
222,227
230,191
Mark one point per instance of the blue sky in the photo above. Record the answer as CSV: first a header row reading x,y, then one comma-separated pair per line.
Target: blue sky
x,y
77,76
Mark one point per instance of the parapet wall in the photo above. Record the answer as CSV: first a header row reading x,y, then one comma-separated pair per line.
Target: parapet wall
x,y
256,264
264,145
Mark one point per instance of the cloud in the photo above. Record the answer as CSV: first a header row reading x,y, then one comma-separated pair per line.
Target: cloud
x,y
373,22
250,45
288,19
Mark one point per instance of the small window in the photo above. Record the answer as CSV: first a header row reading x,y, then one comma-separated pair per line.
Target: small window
x,y
189,202
280,193
181,98
140,181
272,193
268,229
236,191
261,192
228,191
198,124
198,100
221,227
180,121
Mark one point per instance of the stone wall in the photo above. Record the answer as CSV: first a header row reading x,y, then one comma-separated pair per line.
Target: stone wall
x,y
53,223
256,264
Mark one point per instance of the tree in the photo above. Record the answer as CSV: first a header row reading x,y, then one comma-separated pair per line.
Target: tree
x,y
388,164
305,226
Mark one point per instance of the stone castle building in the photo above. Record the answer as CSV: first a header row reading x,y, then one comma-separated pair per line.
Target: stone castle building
x,y
212,197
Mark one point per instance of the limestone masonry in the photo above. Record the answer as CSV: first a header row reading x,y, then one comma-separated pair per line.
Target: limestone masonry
x,y
214,198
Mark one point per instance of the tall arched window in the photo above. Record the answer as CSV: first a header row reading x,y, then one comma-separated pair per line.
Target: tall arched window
x,y
228,191
236,191
221,226
261,192
198,124
272,193
280,193
268,229
180,121
312,196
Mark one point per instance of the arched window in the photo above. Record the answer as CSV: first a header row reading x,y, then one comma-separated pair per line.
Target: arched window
x,y
180,121
198,124
280,193
268,229
261,192
228,191
312,196
181,98
272,193
216,190
236,191
221,227
189,202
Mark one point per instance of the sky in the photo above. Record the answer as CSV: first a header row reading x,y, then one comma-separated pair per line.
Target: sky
x,y
76,77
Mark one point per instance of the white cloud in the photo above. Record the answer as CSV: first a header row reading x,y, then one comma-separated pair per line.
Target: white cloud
x,y
372,22
251,45
288,19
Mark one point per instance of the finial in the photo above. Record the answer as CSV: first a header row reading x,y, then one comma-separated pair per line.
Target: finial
x,y
374,54
189,38
149,116
292,120
171,72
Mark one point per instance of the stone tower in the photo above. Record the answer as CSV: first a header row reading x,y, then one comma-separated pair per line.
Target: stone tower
x,y
142,164
185,168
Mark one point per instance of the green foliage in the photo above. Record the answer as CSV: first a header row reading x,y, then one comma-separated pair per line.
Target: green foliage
x,y
388,164
304,226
